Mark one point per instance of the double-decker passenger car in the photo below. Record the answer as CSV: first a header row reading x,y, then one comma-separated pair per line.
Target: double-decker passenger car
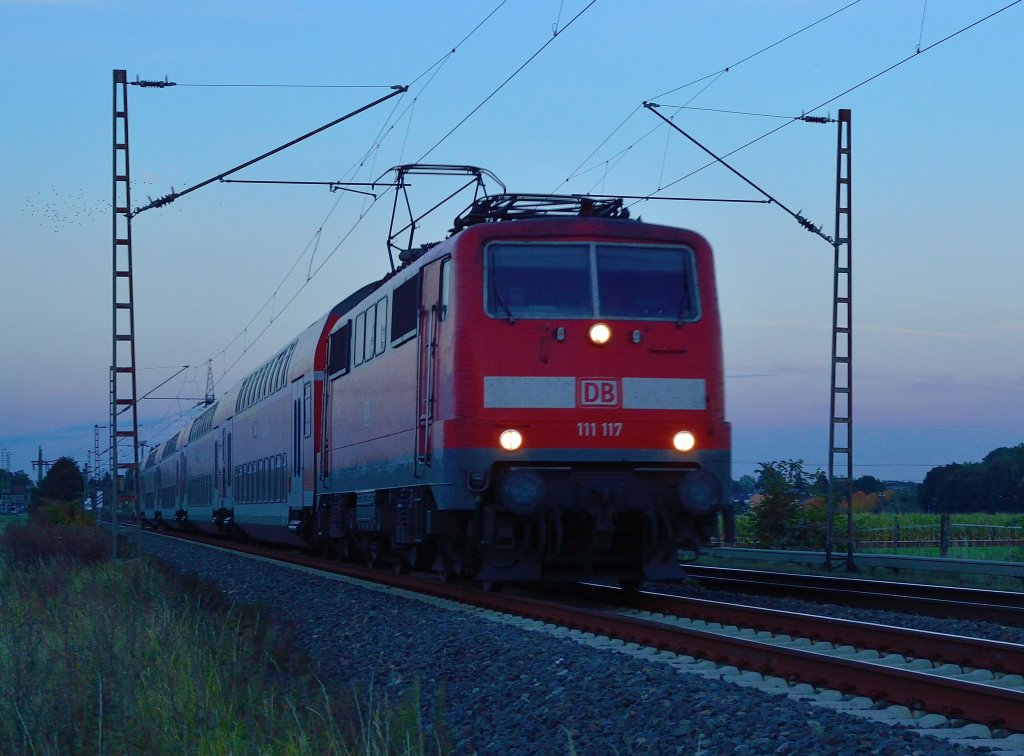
x,y
539,396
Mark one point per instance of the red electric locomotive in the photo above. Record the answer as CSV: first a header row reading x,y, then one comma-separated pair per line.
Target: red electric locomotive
x,y
538,397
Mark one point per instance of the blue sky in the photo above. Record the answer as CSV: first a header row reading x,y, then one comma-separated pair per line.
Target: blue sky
x,y
939,369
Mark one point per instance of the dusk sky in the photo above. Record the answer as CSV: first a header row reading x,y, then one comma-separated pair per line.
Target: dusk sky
x,y
229,273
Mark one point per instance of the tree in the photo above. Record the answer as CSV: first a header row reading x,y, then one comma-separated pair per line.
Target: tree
x,y
996,484
743,487
14,481
63,482
868,484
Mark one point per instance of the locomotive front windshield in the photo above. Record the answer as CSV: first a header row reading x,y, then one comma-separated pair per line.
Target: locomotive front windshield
x,y
590,280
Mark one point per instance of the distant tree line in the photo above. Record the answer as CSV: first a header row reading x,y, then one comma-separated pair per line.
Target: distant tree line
x,y
9,481
996,484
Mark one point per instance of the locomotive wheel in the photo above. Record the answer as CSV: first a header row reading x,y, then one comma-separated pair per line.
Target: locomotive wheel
x,y
446,573
345,549
372,553
449,563
401,565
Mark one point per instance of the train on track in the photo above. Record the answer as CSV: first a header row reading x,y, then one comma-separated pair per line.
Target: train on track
x,y
537,397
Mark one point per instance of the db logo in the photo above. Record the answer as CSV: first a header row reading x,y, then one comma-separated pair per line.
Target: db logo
x,y
598,392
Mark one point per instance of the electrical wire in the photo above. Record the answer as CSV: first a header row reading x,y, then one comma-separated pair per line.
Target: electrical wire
x,y
788,37
729,112
715,76
505,82
841,94
920,34
291,86
386,128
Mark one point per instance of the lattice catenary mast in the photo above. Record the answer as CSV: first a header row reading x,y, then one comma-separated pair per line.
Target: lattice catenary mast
x,y
840,437
124,421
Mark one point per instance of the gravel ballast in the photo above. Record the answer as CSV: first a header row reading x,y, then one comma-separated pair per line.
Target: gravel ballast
x,y
510,690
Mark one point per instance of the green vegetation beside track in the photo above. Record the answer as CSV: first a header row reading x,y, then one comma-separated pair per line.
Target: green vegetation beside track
x,y
121,657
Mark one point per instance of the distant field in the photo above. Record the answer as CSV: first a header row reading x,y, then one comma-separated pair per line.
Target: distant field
x,y
994,553
7,519
917,519
971,535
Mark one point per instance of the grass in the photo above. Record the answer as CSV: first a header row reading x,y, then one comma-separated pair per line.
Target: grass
x,y
111,658
9,519
962,580
972,535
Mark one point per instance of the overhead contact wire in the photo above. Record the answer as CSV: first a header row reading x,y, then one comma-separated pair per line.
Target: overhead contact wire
x,y
504,83
759,52
431,71
836,97
713,75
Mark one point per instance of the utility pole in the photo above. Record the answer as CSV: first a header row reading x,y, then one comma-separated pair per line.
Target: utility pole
x,y
209,383
85,480
42,466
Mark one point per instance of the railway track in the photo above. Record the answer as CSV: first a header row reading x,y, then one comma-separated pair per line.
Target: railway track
x,y
956,677
1002,607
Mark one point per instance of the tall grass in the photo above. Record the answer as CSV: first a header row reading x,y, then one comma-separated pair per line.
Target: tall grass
x,y
111,658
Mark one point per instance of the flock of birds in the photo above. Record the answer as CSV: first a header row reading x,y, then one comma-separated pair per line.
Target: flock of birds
x,y
57,210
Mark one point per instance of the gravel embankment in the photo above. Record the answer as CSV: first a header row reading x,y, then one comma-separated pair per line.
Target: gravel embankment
x,y
513,691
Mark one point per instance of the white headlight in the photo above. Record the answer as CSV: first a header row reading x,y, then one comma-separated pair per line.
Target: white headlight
x,y
510,439
600,333
683,441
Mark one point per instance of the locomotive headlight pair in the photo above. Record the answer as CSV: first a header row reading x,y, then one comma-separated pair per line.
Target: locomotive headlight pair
x,y
511,440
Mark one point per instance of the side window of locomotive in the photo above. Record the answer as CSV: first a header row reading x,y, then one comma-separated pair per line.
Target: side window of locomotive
x,y
646,283
359,339
338,350
446,288
382,325
307,409
539,280
405,305
369,347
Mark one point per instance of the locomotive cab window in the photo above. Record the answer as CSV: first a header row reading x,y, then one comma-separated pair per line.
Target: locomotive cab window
x,y
619,281
645,283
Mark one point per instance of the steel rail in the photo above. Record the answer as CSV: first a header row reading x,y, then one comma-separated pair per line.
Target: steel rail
x,y
1003,607
998,656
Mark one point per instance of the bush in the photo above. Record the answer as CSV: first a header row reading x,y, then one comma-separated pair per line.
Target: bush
x,y
41,541
785,516
62,512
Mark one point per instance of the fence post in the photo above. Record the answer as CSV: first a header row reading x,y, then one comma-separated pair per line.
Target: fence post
x,y
729,524
896,534
943,534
